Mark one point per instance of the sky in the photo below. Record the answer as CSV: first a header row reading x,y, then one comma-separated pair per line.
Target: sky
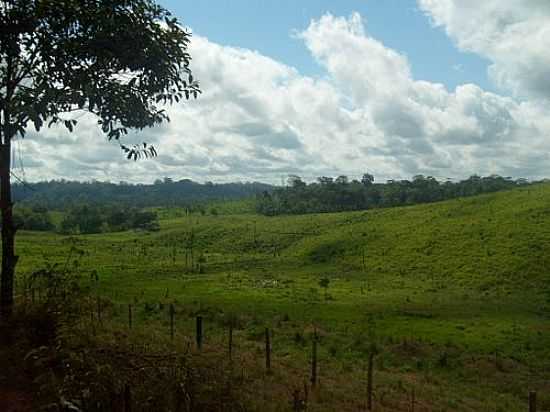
x,y
396,88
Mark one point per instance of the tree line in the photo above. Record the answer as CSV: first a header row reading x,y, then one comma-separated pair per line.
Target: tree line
x,y
339,194
83,218
57,194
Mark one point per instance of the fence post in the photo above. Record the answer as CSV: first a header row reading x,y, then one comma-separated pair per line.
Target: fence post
x,y
199,332
532,401
98,300
127,399
413,399
267,351
172,313
129,316
314,359
230,343
369,382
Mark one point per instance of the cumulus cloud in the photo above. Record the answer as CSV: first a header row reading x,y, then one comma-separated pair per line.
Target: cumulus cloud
x,y
259,119
513,34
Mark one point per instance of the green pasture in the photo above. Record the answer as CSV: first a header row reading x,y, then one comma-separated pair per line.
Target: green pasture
x,y
442,290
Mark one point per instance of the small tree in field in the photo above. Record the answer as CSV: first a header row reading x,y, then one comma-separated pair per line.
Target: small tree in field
x,y
120,60
325,283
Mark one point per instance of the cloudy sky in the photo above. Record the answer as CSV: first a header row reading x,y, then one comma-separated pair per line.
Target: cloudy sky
x,y
446,88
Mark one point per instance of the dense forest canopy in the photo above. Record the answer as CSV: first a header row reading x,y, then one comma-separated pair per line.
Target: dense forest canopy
x,y
327,194
340,194
58,194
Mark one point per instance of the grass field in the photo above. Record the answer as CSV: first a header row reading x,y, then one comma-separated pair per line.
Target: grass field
x,y
455,295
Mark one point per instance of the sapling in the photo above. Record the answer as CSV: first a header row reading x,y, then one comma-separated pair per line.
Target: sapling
x,y
325,283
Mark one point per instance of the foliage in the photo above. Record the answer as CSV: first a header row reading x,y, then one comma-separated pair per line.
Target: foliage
x,y
85,218
337,195
61,285
185,193
33,218
119,60
116,59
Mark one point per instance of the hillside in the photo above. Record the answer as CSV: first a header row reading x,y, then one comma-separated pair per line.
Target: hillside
x,y
447,291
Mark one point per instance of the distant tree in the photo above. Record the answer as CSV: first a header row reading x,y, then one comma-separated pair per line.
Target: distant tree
x,y
324,180
35,218
145,220
116,59
295,181
367,179
325,283
328,195
342,180
82,218
117,218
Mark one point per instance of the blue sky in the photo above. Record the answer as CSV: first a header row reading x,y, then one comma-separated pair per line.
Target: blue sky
x,y
268,25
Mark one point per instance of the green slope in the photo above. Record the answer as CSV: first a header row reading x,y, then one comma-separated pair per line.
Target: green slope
x,y
465,278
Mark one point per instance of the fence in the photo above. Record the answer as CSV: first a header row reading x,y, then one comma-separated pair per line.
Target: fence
x,y
102,310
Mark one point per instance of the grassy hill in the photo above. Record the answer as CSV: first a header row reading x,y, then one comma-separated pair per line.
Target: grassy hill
x,y
455,295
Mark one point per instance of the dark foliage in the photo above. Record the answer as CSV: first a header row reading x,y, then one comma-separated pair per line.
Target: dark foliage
x,y
337,195
59,194
86,218
33,218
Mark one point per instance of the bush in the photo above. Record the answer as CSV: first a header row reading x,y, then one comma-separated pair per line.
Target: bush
x,y
85,218
33,219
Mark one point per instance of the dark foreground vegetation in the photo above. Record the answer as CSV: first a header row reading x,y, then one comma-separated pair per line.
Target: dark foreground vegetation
x,y
341,194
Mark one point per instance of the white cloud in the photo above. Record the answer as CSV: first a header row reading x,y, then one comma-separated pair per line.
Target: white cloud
x,y
513,34
259,119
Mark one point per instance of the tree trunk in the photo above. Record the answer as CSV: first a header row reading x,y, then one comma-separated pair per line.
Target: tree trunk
x,y
9,260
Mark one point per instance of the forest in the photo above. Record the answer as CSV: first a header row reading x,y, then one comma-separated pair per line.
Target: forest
x,y
341,194
103,207
57,194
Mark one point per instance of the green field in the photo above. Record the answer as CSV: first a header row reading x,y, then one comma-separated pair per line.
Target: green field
x,y
455,295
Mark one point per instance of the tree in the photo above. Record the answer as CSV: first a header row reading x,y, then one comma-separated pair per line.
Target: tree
x,y
325,283
325,181
342,180
367,179
120,60
295,181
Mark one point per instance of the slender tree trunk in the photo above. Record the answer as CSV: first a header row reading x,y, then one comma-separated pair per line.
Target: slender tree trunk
x,y
9,260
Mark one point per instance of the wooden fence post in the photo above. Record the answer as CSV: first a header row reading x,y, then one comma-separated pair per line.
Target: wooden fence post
x,y
369,382
413,399
127,399
172,313
314,359
98,301
129,316
199,332
267,351
230,343
532,401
